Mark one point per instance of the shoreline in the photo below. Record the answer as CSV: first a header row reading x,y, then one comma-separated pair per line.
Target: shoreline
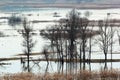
x,y
65,5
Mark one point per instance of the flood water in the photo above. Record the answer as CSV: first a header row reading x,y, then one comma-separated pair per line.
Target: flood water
x,y
11,44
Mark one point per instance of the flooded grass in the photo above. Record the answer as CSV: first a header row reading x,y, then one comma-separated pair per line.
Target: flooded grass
x,y
80,75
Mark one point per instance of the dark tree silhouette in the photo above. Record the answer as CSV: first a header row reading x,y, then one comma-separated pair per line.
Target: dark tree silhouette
x,y
28,42
105,37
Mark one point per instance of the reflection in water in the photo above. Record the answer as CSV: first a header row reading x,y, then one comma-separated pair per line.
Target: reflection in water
x,y
67,67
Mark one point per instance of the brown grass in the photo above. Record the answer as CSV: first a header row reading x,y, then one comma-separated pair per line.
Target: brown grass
x,y
80,75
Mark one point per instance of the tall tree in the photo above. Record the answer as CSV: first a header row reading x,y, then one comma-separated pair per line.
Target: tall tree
x,y
28,42
105,37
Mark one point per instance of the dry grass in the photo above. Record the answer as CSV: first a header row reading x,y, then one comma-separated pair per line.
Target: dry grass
x,y
81,75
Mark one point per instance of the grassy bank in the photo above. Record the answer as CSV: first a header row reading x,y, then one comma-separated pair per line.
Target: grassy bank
x,y
80,75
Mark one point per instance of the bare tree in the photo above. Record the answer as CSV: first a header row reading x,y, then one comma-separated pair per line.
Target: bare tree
x,y
105,38
28,42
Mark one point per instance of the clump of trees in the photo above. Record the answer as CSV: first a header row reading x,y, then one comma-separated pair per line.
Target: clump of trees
x,y
14,20
69,38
